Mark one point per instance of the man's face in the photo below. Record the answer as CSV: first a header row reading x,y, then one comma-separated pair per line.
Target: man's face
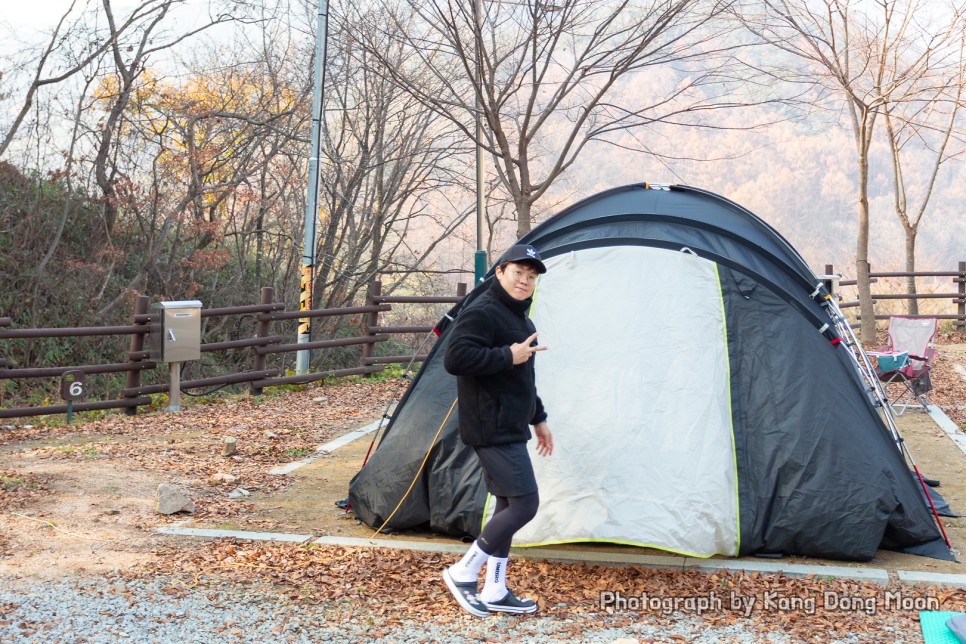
x,y
518,280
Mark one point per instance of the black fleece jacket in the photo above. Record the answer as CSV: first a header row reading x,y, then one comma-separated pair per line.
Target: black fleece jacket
x,y
497,399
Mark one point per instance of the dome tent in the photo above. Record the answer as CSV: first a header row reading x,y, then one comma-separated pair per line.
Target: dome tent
x,y
696,401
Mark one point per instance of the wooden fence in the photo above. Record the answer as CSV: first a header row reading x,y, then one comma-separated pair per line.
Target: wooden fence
x,y
958,297
137,359
264,344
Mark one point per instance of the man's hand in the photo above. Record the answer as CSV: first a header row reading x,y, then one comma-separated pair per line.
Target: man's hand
x,y
521,350
544,439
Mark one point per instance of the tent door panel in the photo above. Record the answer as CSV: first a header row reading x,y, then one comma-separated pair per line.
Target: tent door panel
x,y
643,448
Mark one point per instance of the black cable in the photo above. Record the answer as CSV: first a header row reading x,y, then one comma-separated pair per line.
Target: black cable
x,y
205,393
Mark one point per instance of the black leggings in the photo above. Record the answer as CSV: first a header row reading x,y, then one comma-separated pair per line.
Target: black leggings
x,y
512,513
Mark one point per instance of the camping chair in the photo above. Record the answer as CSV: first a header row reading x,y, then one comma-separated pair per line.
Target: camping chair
x,y
907,360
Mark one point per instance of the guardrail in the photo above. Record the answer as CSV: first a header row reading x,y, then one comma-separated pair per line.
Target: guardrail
x,y
375,298
958,297
263,344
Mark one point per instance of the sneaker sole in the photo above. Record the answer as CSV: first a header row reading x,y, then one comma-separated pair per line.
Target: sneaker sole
x,y
496,608
460,599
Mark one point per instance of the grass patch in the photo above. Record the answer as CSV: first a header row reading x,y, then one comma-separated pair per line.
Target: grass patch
x,y
87,451
10,483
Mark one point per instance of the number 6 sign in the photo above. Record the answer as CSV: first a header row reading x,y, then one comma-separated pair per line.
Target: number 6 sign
x,y
72,385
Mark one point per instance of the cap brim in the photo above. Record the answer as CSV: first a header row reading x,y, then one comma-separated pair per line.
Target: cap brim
x,y
518,255
536,263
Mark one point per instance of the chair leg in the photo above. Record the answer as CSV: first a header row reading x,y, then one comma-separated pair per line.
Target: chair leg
x,y
922,400
898,407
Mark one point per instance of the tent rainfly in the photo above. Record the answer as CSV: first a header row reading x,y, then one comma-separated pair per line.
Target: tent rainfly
x,y
699,401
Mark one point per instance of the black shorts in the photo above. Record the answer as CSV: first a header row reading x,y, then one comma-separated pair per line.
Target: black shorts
x,y
507,470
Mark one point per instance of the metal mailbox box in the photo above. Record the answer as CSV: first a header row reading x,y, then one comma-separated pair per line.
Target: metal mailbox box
x,y
176,331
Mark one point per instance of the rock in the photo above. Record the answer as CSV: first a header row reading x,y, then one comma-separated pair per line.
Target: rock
x,y
222,477
238,492
320,399
271,435
171,500
230,446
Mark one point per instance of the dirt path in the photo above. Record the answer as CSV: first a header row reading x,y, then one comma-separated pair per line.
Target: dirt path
x,y
82,499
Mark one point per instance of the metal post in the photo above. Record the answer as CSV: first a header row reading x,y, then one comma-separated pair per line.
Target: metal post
x,y
831,280
174,389
479,260
312,192
961,300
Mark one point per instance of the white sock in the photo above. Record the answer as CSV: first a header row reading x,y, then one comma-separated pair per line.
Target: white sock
x,y
495,587
467,569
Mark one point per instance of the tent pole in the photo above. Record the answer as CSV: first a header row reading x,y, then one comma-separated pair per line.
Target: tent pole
x,y
862,364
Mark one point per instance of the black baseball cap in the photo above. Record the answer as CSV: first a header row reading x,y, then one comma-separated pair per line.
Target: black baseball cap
x,y
524,254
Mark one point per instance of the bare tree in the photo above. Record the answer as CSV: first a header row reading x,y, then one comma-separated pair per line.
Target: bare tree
x,y
387,160
35,300
542,75
925,126
867,55
63,32
76,43
147,39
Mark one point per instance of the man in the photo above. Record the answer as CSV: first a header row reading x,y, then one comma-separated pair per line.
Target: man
x,y
491,351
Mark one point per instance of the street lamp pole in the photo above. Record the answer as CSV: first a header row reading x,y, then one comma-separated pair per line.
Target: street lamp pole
x,y
312,193
479,260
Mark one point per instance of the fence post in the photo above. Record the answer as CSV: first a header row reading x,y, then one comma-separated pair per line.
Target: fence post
x,y
261,331
371,320
961,301
133,379
4,321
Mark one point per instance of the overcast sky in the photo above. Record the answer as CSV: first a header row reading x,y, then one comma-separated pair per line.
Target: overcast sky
x,y
32,18
35,15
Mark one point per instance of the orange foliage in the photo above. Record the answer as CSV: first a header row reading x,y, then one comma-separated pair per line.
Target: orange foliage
x,y
195,123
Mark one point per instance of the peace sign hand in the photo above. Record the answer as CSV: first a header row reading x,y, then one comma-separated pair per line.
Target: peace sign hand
x,y
522,350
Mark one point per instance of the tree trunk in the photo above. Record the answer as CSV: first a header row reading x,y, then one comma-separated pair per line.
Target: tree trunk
x,y
259,239
912,304
862,268
523,216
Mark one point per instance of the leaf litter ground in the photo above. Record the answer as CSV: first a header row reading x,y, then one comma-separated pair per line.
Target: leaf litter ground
x,y
82,497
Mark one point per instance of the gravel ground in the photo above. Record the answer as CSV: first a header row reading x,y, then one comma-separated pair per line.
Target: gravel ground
x,y
117,610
